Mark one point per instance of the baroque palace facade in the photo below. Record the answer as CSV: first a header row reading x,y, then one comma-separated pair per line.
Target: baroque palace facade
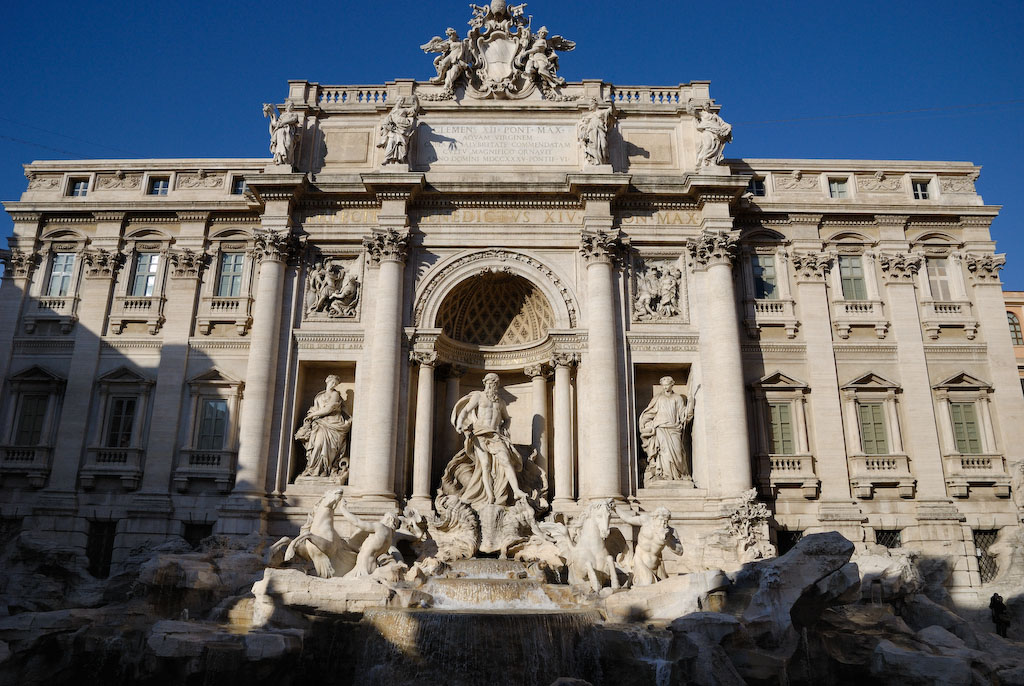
x,y
835,328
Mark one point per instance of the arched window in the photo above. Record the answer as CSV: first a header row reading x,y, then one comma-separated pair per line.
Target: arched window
x,y
1015,332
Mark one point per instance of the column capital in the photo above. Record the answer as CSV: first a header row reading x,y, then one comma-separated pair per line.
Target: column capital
x,y
602,246
535,370
565,359
387,245
899,267
424,359
712,248
280,245
18,264
812,266
984,268
100,263
186,264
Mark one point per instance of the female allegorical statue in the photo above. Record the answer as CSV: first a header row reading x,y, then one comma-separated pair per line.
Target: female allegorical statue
x,y
324,434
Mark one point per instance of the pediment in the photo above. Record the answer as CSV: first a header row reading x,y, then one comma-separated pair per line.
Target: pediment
x,y
963,382
123,375
214,376
36,374
870,381
780,381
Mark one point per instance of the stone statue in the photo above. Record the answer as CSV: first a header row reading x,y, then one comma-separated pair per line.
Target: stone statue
x,y
582,545
654,536
452,62
664,424
332,289
319,542
489,469
282,133
379,541
397,129
592,133
713,134
539,61
748,526
324,434
657,293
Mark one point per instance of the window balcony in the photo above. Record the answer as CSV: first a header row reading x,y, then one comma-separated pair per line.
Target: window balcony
x,y
789,471
195,464
847,314
233,311
122,463
936,314
964,471
32,462
868,472
60,309
148,310
766,312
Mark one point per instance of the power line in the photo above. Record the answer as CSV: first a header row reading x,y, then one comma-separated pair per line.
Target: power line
x,y
884,114
70,138
47,147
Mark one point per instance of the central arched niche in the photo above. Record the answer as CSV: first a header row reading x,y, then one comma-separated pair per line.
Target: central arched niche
x,y
495,309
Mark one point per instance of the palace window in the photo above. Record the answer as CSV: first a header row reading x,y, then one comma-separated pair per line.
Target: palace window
x,y
78,188
873,438
988,566
781,428
921,190
144,277
971,456
965,428
765,279
1015,333
872,429
31,417
783,455
120,422
61,270
851,274
123,396
213,443
229,282
938,278
159,185
837,188
756,186
213,422
238,185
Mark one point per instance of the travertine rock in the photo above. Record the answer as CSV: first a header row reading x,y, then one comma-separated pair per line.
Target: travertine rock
x,y
894,665
666,600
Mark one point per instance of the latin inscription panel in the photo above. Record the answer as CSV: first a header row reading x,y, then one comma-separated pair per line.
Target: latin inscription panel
x,y
496,145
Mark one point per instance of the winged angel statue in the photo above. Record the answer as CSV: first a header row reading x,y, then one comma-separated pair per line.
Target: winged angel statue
x,y
501,56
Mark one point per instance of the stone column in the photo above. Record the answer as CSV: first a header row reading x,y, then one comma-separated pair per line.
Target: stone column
x,y
19,263
563,481
724,393
600,474
374,476
538,374
424,437
452,393
829,447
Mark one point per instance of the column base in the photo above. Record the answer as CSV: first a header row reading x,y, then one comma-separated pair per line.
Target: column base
x,y
422,504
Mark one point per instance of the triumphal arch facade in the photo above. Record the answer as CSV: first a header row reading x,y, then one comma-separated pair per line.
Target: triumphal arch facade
x,y
499,286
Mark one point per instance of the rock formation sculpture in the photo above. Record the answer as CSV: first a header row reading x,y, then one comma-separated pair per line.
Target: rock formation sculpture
x,y
748,526
332,289
664,425
324,434
396,131
712,135
582,546
282,133
592,133
654,536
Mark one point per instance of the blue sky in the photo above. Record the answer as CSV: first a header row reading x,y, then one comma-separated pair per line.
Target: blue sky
x,y
187,79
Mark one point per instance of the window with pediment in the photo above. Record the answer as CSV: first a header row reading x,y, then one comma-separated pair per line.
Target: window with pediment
x,y
780,420
874,440
121,425
853,281
495,310
211,445
31,414
139,296
53,307
225,302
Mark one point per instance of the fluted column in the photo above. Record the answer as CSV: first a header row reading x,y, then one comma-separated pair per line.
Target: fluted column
x,y
600,473
375,476
273,248
538,374
563,482
424,437
714,253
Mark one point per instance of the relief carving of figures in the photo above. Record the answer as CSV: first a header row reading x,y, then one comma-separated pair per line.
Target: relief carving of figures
x,y
396,131
657,293
489,468
712,135
958,184
332,289
324,434
664,433
592,133
654,536
282,133
880,183
202,178
38,182
796,181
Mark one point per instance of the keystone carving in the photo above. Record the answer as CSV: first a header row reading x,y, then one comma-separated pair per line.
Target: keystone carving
x,y
899,267
388,245
712,248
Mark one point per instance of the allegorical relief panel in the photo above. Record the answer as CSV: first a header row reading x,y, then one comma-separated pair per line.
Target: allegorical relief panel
x,y
659,291
333,288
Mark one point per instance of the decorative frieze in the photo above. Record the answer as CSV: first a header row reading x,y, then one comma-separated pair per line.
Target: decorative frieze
x,y
19,264
119,181
880,183
186,264
42,182
812,266
796,181
958,184
100,263
713,248
200,180
899,267
984,268
601,246
387,245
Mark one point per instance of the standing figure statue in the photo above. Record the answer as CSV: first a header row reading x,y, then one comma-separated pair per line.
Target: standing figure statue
x,y
282,133
663,428
397,129
453,60
324,434
654,536
713,134
539,59
592,133
489,469
668,293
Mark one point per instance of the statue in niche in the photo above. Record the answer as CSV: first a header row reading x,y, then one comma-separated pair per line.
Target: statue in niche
x,y
664,425
397,129
332,289
453,61
657,295
489,469
713,133
538,58
592,133
282,133
654,536
324,434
